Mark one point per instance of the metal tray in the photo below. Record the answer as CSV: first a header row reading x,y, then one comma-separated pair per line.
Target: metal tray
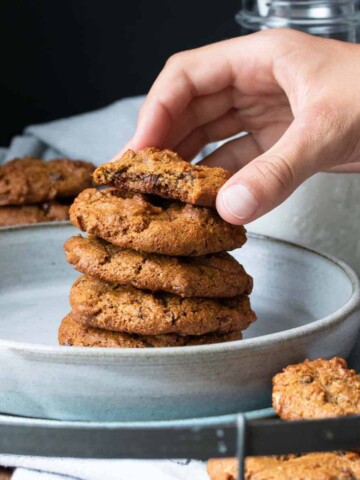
x,y
242,435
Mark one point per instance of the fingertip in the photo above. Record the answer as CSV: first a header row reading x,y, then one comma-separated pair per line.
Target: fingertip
x,y
225,213
236,204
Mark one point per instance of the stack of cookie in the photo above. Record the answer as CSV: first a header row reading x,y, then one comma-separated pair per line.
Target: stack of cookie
x,y
33,191
156,271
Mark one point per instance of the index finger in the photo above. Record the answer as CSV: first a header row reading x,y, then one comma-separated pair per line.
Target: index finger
x,y
244,62
185,76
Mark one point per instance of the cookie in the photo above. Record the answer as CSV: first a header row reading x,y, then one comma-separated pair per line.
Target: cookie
x,y
153,225
31,180
27,214
70,176
222,468
72,333
125,309
311,466
218,275
163,173
316,389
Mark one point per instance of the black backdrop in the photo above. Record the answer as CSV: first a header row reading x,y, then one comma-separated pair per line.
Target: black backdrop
x,y
62,57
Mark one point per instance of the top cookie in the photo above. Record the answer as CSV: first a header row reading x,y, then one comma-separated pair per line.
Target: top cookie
x,y
316,389
163,173
312,466
31,180
153,225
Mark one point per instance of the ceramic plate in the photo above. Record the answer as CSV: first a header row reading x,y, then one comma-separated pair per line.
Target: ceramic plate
x,y
307,306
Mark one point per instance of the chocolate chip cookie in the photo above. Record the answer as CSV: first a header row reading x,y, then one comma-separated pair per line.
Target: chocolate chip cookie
x,y
27,214
316,389
312,466
218,275
153,225
72,333
31,180
99,304
163,173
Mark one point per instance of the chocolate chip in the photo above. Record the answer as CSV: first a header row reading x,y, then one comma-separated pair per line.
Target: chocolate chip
x,y
81,222
307,379
45,207
56,176
151,179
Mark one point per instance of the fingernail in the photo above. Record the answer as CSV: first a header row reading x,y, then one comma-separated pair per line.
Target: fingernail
x,y
239,201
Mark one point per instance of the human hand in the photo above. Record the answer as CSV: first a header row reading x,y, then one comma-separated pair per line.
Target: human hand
x,y
296,96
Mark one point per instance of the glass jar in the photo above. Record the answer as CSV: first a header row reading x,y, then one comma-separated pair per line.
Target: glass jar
x,y
337,19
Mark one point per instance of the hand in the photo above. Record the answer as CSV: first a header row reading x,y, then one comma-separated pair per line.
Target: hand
x,y
296,96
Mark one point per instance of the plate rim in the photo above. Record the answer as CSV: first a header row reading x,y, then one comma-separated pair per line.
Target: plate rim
x,y
266,412
352,304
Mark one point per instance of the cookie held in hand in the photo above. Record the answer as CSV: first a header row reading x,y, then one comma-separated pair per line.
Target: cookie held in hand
x,y
163,173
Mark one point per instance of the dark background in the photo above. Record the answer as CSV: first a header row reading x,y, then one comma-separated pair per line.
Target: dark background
x,y
59,58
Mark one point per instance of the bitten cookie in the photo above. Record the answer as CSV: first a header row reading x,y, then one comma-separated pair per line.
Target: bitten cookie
x,y
218,275
72,333
141,223
31,180
312,466
163,173
126,309
316,389
27,214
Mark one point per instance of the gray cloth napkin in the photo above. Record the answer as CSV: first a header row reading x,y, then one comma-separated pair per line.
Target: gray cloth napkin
x,y
43,468
96,136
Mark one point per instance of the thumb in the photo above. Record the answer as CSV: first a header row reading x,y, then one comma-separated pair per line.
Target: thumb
x,y
269,179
